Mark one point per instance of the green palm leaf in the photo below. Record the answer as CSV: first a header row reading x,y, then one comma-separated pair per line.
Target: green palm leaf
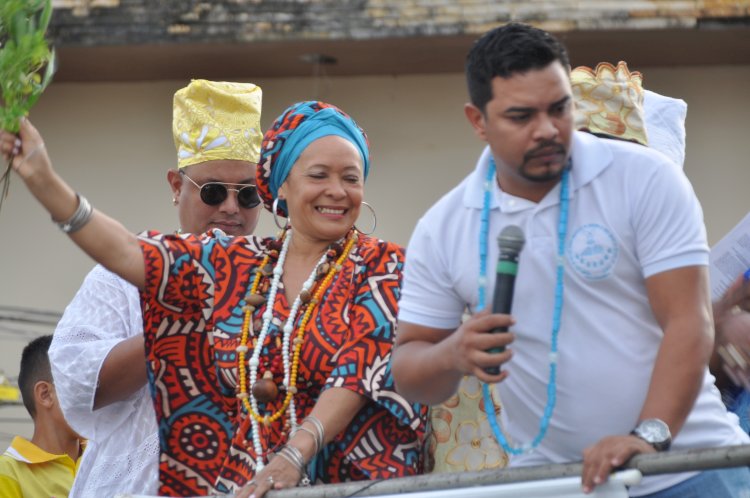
x,y
27,64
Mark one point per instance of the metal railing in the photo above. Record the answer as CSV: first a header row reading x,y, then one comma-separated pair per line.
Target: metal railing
x,y
646,464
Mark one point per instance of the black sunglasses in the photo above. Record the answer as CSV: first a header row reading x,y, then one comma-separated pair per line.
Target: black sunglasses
x,y
214,193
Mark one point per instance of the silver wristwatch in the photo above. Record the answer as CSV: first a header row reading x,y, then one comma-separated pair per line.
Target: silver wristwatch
x,y
655,432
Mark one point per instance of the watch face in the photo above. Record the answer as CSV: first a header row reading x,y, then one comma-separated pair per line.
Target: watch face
x,y
654,432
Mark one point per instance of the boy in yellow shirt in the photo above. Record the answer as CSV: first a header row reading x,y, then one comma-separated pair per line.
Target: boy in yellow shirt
x,y
45,466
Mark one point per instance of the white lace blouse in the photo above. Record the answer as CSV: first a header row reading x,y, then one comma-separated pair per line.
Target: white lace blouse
x,y
123,446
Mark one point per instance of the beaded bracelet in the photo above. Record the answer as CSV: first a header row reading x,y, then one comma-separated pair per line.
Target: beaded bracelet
x,y
80,217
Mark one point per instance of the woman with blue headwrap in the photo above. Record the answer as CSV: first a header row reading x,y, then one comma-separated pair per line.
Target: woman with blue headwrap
x,y
268,358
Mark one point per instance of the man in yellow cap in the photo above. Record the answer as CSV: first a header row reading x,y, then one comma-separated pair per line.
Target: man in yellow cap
x,y
97,356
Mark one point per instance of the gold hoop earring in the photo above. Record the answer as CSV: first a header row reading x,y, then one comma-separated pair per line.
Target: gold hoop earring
x,y
274,207
374,219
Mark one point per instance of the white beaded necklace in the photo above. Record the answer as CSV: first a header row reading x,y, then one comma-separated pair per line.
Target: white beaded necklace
x,y
254,361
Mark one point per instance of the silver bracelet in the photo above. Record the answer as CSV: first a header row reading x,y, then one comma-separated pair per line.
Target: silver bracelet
x,y
294,456
318,427
314,434
81,216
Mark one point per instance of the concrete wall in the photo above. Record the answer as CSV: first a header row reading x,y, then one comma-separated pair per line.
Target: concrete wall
x,y
113,143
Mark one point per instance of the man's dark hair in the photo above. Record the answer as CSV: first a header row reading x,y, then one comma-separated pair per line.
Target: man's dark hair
x,y
34,368
505,50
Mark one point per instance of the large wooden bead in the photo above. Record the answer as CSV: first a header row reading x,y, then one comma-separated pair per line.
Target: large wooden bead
x,y
305,296
267,270
265,390
337,248
323,269
255,300
275,244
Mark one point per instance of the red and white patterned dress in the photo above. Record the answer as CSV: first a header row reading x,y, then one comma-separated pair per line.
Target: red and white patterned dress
x,y
193,314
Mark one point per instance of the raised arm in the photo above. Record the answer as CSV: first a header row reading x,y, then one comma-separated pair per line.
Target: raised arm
x,y
102,238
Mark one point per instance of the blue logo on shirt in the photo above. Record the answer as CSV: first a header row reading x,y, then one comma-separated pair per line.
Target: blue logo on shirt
x,y
592,251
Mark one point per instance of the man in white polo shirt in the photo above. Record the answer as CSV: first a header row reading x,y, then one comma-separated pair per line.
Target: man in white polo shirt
x,y
611,329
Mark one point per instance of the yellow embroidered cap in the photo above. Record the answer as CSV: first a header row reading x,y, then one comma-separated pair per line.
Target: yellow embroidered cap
x,y
609,100
217,120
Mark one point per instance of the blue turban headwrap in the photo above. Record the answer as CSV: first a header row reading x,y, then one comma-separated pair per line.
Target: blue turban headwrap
x,y
297,127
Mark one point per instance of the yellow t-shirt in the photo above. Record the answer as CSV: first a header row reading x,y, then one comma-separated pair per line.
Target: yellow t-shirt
x,y
27,471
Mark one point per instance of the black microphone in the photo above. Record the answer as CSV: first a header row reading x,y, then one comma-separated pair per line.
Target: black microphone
x,y
510,242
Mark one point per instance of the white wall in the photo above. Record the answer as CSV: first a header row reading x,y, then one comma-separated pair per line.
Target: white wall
x,y
113,143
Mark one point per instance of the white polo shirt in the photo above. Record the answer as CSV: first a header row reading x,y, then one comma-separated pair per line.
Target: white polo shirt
x,y
632,214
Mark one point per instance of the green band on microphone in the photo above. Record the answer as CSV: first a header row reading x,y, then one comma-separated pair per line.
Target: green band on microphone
x,y
507,267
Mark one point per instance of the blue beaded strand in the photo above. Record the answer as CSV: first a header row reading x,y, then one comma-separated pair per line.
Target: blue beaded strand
x,y
484,229
562,227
